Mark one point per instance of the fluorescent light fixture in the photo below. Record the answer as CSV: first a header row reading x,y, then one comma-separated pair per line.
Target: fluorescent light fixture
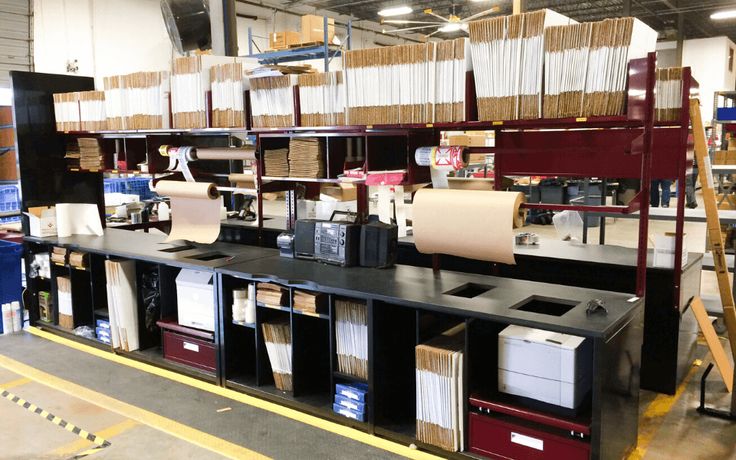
x,y
452,27
395,11
727,14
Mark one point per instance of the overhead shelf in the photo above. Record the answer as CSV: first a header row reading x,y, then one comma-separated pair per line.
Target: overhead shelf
x,y
298,54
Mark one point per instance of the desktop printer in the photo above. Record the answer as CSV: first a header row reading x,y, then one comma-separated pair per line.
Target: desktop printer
x,y
547,366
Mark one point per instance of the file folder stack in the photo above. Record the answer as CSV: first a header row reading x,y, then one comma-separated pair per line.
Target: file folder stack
x,y
306,158
351,331
114,102
508,60
90,154
277,336
228,93
272,295
439,390
668,102
451,65
64,299
322,99
92,111
272,101
66,111
122,304
309,302
276,162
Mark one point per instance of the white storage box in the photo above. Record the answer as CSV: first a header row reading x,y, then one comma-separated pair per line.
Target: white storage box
x,y
195,299
42,221
546,366
664,250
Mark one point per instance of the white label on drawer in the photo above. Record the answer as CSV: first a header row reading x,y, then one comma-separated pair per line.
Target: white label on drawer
x,y
527,441
191,347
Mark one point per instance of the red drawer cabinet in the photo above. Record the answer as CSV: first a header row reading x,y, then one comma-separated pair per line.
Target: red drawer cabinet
x,y
190,351
496,438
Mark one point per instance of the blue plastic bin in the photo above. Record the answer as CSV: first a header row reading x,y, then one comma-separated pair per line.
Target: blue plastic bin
x,y
10,272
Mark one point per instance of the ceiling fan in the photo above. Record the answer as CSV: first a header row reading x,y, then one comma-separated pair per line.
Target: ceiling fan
x,y
449,24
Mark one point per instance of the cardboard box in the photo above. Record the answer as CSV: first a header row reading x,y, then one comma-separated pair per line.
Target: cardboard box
x,y
42,221
338,192
469,140
664,250
282,40
732,144
724,157
313,29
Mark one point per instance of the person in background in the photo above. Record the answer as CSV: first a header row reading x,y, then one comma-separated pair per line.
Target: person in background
x,y
666,185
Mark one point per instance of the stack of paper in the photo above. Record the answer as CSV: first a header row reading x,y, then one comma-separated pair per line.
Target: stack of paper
x,y
351,337
114,102
451,66
64,300
66,111
306,157
439,392
277,336
309,302
90,154
122,304
668,101
272,101
146,100
276,162
58,255
508,58
322,99
228,92
272,295
92,115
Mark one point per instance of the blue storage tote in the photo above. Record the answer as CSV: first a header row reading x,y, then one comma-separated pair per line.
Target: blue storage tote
x,y
10,280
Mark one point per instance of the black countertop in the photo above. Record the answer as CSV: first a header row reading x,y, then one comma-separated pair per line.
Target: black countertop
x,y
149,247
421,288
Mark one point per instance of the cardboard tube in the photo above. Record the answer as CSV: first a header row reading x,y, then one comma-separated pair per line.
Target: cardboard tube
x,y
225,153
195,210
467,223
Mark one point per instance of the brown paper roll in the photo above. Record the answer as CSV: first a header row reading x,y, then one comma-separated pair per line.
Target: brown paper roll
x,y
212,153
242,178
467,223
195,210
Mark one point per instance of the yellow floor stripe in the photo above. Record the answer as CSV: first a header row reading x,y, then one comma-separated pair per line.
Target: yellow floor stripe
x,y
15,383
293,414
168,426
654,414
75,447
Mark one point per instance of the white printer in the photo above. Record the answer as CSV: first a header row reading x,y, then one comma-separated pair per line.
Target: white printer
x,y
546,366
195,299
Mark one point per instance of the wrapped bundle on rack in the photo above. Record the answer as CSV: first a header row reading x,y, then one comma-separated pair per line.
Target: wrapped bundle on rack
x,y
66,111
146,100
277,336
114,102
451,66
92,111
668,100
228,95
439,390
272,295
614,42
508,61
272,101
322,99
566,51
351,337
307,157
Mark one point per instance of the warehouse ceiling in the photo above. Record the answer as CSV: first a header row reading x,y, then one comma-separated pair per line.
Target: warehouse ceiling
x,y
660,14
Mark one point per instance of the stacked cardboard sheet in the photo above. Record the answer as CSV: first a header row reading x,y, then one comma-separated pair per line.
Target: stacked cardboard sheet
x,y
310,302
122,304
64,299
272,295
439,390
66,111
306,158
277,336
276,162
137,101
92,115
451,66
272,100
228,91
322,99
90,154
668,101
351,337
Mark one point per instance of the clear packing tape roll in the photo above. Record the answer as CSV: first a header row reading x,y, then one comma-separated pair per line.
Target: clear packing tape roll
x,y
195,210
441,160
467,223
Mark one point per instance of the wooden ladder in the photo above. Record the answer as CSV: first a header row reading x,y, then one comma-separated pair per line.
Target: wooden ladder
x,y
719,255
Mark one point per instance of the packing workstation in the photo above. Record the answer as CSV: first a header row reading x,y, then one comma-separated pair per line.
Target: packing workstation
x,y
451,329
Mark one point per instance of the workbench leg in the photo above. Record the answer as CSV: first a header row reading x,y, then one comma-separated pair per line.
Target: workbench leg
x,y
586,191
602,221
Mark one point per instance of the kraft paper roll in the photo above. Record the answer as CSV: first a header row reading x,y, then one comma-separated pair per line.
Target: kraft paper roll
x,y
241,178
212,153
467,223
195,210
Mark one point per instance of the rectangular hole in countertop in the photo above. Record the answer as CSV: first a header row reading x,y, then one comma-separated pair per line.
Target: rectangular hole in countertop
x,y
469,290
185,247
546,306
208,256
